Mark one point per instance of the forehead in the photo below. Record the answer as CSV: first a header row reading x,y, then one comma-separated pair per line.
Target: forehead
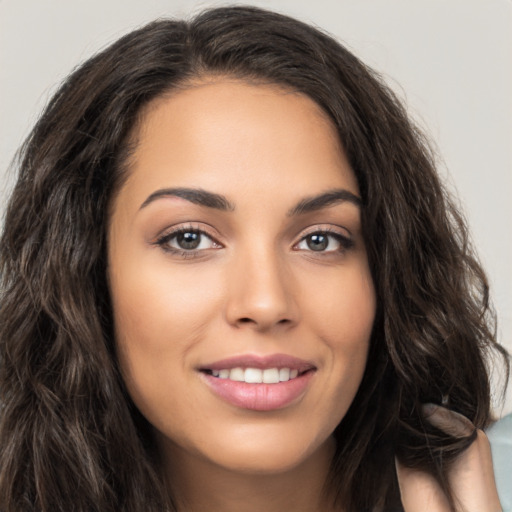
x,y
233,137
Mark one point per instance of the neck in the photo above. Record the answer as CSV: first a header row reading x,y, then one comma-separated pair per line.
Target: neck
x,y
199,485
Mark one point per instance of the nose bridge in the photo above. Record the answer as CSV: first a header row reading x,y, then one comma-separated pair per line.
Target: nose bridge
x,y
260,289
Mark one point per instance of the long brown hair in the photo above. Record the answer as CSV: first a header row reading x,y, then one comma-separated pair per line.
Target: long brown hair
x,y
70,437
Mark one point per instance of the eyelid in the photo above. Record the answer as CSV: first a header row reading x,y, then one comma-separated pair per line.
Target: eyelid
x,y
326,228
162,240
169,233
345,240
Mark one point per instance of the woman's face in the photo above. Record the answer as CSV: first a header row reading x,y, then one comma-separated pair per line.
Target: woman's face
x,y
236,256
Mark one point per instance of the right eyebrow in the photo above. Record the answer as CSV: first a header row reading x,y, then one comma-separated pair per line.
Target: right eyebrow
x,y
194,195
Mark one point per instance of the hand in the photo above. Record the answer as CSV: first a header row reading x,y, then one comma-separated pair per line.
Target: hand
x,y
471,476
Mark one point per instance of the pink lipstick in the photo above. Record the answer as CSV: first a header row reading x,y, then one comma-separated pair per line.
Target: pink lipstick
x,y
260,383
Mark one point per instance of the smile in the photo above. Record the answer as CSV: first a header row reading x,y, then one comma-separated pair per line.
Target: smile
x,y
256,375
259,383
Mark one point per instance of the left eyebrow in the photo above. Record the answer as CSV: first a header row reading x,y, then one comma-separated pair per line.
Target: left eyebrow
x,y
325,200
194,195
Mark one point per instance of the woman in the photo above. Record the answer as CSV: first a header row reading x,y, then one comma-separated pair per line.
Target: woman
x,y
232,280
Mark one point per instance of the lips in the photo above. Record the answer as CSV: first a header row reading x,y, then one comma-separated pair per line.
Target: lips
x,y
259,383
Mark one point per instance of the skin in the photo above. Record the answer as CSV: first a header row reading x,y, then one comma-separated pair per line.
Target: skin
x,y
471,477
254,286
260,290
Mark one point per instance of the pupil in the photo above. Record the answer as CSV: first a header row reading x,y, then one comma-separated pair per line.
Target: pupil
x,y
188,240
317,242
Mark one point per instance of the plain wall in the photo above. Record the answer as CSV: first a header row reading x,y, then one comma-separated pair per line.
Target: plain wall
x,y
450,60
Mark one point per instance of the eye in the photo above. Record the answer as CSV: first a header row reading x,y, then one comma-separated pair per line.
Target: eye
x,y
324,241
187,240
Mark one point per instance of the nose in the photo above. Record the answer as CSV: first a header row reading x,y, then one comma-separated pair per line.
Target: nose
x,y
262,293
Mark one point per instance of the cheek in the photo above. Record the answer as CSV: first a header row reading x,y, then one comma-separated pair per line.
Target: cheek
x,y
355,315
344,312
153,306
158,319
344,322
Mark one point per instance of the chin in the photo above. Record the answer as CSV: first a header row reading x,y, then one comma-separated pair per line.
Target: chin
x,y
267,453
263,462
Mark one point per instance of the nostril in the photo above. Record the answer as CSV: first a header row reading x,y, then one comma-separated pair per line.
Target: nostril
x,y
248,320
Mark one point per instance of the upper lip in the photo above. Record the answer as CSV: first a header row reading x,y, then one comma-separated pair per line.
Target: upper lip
x,y
262,362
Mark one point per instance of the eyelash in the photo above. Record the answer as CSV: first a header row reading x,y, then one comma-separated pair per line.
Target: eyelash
x,y
345,242
163,241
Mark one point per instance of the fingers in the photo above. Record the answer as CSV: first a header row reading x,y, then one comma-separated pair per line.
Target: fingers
x,y
470,477
451,422
420,491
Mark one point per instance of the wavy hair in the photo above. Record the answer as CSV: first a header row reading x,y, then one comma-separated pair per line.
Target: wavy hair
x,y
70,437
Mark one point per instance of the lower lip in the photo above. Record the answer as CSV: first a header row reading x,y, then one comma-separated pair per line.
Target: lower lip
x,y
260,397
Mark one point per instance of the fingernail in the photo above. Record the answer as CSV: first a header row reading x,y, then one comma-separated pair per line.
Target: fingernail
x,y
428,409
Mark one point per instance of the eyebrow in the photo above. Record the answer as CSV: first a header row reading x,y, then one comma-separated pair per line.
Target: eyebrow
x,y
194,195
325,200
219,202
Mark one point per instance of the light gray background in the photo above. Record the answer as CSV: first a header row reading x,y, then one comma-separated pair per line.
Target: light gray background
x,y
450,60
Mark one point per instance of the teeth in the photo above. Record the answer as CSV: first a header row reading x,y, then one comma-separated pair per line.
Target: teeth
x,y
253,375
256,375
271,376
237,374
284,374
